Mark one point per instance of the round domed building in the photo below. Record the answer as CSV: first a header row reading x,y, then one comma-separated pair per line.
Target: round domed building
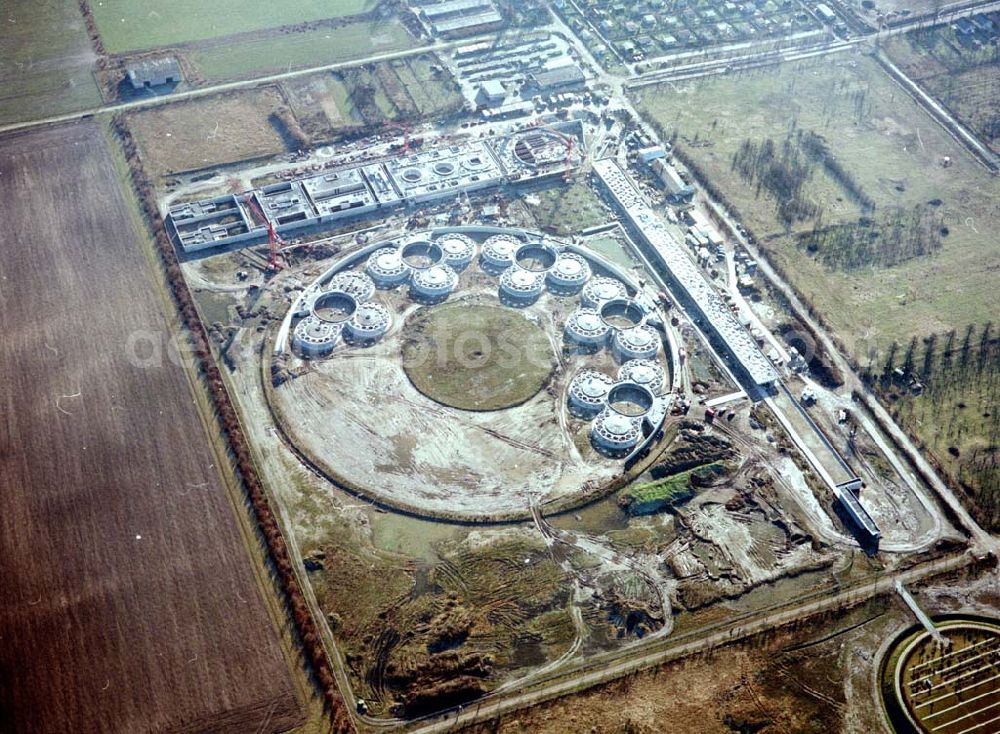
x,y
353,282
458,250
386,268
314,337
602,289
433,284
368,323
588,393
647,372
497,253
614,433
569,274
585,326
520,287
638,342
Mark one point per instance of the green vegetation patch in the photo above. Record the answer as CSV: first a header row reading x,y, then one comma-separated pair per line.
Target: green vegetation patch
x,y
957,70
477,357
669,492
208,131
46,61
128,25
289,51
565,210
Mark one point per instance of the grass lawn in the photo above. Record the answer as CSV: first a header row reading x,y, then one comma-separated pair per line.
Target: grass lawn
x,y
611,249
895,154
208,131
568,209
45,60
641,499
128,25
296,50
477,357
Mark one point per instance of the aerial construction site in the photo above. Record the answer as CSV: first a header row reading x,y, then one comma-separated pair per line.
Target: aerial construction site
x,y
492,366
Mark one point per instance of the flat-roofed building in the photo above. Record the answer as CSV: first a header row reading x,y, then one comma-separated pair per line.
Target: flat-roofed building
x,y
562,77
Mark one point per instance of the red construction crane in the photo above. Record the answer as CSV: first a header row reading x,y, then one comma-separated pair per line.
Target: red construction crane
x,y
273,238
569,158
405,127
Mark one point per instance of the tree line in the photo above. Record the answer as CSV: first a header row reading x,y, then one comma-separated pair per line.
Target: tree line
x,y
897,235
308,631
945,390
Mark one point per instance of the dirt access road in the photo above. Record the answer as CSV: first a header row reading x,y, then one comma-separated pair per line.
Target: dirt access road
x,y
635,659
127,598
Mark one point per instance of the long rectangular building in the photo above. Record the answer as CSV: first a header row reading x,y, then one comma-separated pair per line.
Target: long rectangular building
x,y
666,251
433,173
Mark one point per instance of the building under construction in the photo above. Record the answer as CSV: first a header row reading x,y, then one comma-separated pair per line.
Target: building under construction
x,y
431,174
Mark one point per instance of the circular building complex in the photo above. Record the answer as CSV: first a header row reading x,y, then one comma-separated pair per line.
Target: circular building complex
x,y
458,250
647,372
588,393
314,337
638,342
614,433
585,326
479,389
519,286
353,282
569,274
943,681
386,268
369,323
602,289
433,284
497,253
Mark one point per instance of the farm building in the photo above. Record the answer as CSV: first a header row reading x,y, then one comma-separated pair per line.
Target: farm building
x,y
154,72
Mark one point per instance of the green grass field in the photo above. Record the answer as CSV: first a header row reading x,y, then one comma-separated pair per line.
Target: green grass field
x,y
296,50
893,151
46,60
129,25
568,209
477,357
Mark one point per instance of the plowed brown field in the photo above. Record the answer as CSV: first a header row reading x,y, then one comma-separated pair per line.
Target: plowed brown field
x,y
127,598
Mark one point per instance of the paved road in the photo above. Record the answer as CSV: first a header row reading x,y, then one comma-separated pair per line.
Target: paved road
x,y
231,86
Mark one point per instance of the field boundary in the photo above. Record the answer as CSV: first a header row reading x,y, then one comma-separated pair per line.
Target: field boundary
x,y
941,114
245,470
